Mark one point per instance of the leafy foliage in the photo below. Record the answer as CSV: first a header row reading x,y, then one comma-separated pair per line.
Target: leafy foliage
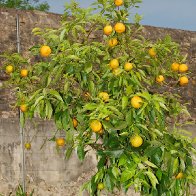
x,y
25,4
67,84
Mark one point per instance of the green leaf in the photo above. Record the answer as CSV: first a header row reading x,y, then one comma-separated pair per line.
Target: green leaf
x,y
124,102
35,94
150,164
38,100
22,119
127,175
152,178
111,153
56,94
99,175
62,34
108,182
175,165
121,125
163,106
90,106
88,67
122,160
65,119
69,151
81,152
159,174
115,172
49,109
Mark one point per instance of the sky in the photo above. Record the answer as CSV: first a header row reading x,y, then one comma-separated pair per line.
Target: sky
x,y
177,14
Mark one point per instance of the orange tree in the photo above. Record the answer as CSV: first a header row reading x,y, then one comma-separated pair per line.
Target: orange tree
x,y
97,77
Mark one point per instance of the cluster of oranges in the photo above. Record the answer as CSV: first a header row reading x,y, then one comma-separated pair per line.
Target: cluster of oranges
x,y
10,69
181,68
176,67
136,101
60,141
114,66
45,51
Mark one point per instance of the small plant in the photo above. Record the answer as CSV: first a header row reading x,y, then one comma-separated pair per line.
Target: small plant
x,y
20,192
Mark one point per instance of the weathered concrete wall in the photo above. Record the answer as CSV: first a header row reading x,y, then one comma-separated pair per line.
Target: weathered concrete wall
x,y
47,170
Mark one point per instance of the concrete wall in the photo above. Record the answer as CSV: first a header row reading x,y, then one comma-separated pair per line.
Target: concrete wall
x,y
47,171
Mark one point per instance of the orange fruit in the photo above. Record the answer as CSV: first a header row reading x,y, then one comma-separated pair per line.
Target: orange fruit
x,y
175,66
112,42
107,118
23,108
60,141
136,141
118,2
104,96
114,63
108,30
119,27
100,186
136,102
28,146
183,68
180,175
23,73
152,52
87,95
116,71
160,79
96,126
100,132
75,122
9,69
183,81
45,51
128,66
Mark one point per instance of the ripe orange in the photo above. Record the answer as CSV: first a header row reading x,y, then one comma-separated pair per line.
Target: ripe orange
x,y
9,69
160,79
107,118
28,146
175,66
104,96
101,132
60,141
136,141
180,175
108,30
152,52
128,66
75,122
183,81
96,126
136,102
118,2
23,107
100,186
45,51
119,27
114,63
87,95
183,68
112,42
23,73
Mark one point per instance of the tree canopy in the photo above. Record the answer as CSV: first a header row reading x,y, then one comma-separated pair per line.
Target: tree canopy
x,y
25,4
